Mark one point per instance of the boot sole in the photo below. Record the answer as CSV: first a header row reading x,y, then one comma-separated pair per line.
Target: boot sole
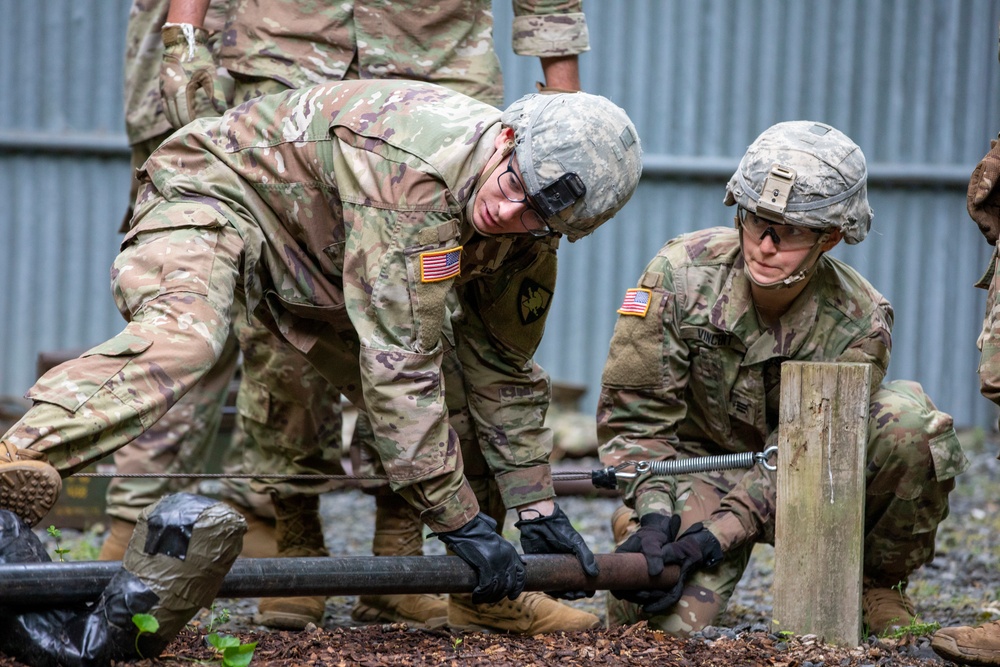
x,y
949,649
29,489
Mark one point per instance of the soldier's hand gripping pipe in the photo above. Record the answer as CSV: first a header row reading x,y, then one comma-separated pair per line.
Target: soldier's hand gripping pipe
x,y
554,534
655,532
497,564
694,549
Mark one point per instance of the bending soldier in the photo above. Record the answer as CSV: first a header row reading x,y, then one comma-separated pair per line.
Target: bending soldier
x,y
343,216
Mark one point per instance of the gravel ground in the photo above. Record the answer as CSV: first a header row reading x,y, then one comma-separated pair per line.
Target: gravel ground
x,y
960,587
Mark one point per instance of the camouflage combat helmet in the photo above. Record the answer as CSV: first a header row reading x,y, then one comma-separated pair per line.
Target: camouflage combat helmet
x,y
579,156
806,174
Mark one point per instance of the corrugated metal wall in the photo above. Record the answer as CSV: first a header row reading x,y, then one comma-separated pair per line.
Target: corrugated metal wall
x,y
915,82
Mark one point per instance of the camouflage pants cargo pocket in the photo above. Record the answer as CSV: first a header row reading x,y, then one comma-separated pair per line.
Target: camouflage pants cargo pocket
x,y
179,320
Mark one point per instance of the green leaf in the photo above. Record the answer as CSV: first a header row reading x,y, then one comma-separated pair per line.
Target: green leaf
x,y
222,642
238,656
145,622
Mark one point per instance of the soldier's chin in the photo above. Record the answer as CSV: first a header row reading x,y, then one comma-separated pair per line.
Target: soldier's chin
x,y
766,274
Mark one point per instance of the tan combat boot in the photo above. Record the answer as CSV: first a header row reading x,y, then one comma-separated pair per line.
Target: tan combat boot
x,y
969,646
529,613
29,486
621,520
260,540
116,544
885,609
399,532
299,533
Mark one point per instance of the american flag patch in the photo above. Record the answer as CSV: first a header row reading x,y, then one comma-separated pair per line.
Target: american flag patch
x,y
636,302
440,265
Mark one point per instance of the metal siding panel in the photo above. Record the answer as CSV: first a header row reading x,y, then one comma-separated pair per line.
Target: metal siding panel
x,y
59,254
914,82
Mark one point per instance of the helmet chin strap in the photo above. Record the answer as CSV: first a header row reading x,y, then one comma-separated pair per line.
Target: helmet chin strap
x,y
801,272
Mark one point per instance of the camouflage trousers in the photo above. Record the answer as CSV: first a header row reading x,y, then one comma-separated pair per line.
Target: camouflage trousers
x,y
912,456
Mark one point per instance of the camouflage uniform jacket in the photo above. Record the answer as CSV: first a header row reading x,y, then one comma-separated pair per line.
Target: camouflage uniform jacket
x,y
354,202
144,117
448,42
697,375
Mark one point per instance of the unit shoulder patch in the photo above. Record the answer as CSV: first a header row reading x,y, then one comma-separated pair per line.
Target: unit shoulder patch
x,y
533,300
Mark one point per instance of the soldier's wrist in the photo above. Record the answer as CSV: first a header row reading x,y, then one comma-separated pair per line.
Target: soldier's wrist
x,y
184,34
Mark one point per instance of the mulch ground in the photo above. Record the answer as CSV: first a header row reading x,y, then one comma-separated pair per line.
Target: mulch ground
x,y
398,645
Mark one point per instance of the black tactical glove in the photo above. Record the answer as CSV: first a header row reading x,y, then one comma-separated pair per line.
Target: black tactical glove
x,y
983,197
655,531
554,534
496,562
694,549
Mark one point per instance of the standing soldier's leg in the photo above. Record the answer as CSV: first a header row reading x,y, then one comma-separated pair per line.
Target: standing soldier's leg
x,y
913,456
289,421
176,288
398,532
980,644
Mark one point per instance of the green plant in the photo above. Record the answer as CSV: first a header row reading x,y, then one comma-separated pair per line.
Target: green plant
x,y
218,618
231,651
456,644
146,624
56,535
914,629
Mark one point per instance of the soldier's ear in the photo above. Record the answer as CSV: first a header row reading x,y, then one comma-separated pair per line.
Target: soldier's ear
x,y
835,236
505,140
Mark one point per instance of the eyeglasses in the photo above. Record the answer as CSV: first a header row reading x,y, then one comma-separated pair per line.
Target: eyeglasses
x,y
787,237
513,189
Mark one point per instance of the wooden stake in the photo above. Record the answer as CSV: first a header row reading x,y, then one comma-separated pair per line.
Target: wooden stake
x,y
819,519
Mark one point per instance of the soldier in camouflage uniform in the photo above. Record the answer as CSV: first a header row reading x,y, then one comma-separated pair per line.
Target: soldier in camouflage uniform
x,y
694,369
343,216
980,645
272,47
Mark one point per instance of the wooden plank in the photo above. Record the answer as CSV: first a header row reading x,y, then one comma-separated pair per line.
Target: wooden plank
x,y
819,518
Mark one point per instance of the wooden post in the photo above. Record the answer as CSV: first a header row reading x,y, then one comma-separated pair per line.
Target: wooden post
x,y
819,519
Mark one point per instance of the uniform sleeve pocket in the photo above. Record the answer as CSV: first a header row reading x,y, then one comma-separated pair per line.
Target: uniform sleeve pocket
x,y
949,459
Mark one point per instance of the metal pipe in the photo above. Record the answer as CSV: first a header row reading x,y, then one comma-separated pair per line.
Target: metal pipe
x,y
46,585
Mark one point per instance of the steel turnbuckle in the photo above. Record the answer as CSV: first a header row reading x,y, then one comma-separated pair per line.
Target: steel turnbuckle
x,y
607,478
